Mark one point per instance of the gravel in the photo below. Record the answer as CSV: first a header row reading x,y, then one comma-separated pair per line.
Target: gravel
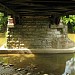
x,y
9,69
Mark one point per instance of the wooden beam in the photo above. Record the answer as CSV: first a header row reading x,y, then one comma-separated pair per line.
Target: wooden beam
x,y
15,1
41,4
6,9
38,6
39,14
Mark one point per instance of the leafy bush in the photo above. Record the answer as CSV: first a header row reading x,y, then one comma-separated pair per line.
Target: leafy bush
x,y
3,22
70,21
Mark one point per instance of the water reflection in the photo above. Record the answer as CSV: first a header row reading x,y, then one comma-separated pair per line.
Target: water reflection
x,y
51,64
70,67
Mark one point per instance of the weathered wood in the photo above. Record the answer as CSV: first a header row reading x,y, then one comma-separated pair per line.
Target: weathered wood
x,y
6,9
45,7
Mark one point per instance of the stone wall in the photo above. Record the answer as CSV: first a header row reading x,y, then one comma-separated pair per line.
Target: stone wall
x,y
36,33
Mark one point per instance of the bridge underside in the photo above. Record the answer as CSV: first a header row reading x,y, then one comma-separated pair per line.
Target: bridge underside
x,y
39,7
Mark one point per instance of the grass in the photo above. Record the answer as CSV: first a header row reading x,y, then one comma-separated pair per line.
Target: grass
x,y
2,39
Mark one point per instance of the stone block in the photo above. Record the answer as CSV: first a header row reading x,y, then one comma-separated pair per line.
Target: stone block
x,y
35,33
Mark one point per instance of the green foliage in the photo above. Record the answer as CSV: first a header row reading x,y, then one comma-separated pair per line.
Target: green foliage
x,y
3,22
70,21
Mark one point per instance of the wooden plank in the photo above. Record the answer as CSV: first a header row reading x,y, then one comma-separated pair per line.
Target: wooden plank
x,y
6,9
